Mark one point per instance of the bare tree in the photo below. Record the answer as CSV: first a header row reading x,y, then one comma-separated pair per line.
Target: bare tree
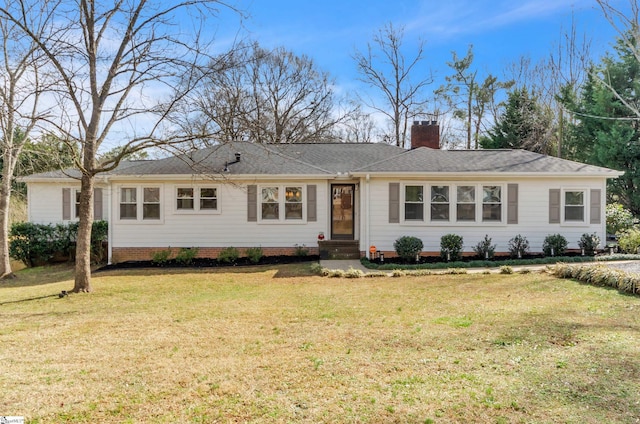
x,y
627,26
20,108
112,60
383,66
265,96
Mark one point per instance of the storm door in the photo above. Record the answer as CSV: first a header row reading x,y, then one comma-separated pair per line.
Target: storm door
x,y
342,211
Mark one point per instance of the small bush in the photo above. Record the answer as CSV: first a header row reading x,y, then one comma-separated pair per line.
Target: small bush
x,y
161,257
484,249
456,271
254,254
353,273
506,269
618,218
629,240
336,273
518,246
589,243
375,274
451,247
228,255
186,255
407,247
300,250
316,268
398,273
554,245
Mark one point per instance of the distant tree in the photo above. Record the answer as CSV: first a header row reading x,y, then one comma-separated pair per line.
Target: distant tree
x,y
265,96
384,67
606,131
469,98
523,125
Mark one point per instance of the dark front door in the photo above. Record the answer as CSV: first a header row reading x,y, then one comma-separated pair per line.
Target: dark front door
x,y
342,211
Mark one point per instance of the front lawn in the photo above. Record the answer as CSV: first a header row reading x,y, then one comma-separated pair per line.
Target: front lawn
x,y
276,344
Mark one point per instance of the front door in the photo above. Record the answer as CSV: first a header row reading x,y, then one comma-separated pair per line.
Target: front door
x,y
342,211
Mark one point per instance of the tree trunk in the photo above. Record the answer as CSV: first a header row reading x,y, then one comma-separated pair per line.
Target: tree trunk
x,y
83,242
5,198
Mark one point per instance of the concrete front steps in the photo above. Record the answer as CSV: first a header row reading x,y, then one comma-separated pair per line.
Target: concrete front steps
x,y
339,249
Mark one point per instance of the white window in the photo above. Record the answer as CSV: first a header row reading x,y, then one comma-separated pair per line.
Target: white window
x,y
185,199
492,203
413,203
282,203
139,203
574,206
440,203
466,203
151,203
77,204
128,203
208,198
293,203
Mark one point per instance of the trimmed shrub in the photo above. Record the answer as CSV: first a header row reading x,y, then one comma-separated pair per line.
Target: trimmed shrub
x,y
451,247
407,247
254,254
629,240
186,255
484,249
518,246
228,255
589,243
506,269
554,245
38,243
353,273
161,257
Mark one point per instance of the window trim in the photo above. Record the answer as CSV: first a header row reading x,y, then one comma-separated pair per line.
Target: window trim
x,y
405,201
585,209
139,219
197,196
282,204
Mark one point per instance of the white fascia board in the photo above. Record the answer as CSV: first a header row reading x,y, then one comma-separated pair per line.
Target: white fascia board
x,y
201,177
488,175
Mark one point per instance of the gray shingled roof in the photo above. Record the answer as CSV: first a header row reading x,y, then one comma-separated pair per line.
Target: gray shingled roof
x,y
333,158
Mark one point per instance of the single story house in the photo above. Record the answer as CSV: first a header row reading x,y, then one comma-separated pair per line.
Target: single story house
x,y
281,196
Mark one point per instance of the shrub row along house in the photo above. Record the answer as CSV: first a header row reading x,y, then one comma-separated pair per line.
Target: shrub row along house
x,y
281,196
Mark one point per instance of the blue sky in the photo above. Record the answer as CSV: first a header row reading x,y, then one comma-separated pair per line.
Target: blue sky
x,y
501,30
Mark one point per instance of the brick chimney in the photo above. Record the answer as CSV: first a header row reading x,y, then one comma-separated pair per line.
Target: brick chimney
x,y
425,134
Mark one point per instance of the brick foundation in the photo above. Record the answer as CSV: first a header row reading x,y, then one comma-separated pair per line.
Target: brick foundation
x,y
123,254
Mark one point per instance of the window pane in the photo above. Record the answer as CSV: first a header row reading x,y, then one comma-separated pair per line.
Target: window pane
x,y
185,204
128,195
439,212
270,194
466,194
413,193
127,211
574,213
185,193
208,192
208,203
491,194
466,212
293,211
270,211
413,211
440,194
574,198
151,211
293,194
151,195
492,212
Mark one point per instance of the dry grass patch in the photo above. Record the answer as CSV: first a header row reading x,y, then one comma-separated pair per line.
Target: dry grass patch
x,y
279,345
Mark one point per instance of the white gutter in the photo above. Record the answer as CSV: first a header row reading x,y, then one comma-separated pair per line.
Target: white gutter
x,y
109,224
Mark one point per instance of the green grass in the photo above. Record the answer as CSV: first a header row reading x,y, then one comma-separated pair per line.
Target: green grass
x,y
278,345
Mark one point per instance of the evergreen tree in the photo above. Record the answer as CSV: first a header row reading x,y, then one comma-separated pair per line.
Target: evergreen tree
x,y
606,133
523,125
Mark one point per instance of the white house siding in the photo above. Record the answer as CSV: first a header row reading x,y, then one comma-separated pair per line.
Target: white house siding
x,y
533,216
228,227
44,201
